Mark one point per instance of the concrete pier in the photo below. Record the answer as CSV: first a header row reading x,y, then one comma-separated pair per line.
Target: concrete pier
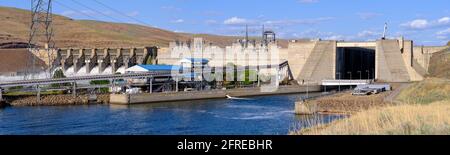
x,y
126,99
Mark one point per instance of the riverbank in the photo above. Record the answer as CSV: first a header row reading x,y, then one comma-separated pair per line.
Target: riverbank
x,y
421,108
60,100
68,99
341,103
126,99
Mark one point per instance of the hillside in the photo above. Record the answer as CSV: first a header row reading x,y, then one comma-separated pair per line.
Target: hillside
x,y
440,64
85,33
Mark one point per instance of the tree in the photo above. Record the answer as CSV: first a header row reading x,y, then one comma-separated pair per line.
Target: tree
x,y
59,74
150,60
448,44
101,82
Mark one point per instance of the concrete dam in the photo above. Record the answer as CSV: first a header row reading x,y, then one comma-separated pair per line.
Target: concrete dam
x,y
382,60
91,61
393,60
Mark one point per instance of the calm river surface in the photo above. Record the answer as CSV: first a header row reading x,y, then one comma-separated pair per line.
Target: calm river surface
x,y
266,115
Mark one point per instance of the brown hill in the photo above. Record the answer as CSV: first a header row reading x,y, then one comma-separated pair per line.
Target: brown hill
x,y
440,64
9,66
85,33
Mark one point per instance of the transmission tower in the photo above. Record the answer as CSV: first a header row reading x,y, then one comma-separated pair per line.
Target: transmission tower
x,y
41,31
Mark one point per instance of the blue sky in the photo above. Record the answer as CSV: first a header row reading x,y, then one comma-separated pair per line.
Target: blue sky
x,y
427,22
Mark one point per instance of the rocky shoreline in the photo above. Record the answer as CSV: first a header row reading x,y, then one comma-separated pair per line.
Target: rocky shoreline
x,y
60,100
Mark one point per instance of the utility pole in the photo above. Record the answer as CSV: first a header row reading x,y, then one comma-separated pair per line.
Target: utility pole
x,y
41,31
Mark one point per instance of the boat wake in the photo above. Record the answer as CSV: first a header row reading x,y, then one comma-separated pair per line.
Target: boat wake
x,y
236,98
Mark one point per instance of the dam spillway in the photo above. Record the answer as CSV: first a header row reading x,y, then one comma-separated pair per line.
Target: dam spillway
x,y
91,61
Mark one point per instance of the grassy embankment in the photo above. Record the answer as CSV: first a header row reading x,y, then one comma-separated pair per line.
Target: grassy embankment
x,y
425,109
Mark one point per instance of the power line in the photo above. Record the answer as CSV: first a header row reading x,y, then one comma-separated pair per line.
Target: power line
x,y
70,8
120,13
89,8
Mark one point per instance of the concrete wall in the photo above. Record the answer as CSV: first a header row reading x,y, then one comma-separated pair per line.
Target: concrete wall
x,y
318,62
395,62
216,94
415,71
237,53
313,61
422,54
297,54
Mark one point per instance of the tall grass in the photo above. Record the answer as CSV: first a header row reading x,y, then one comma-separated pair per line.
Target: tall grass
x,y
424,109
407,119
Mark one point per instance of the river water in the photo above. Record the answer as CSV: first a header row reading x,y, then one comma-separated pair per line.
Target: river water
x,y
265,115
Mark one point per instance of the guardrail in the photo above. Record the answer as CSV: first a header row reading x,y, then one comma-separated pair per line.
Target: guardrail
x,y
345,82
81,78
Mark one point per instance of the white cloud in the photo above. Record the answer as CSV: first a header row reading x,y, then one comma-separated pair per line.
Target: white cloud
x,y
421,24
442,37
417,24
444,20
88,12
177,21
237,21
315,34
211,22
308,1
368,15
298,21
444,32
367,34
275,23
133,14
69,13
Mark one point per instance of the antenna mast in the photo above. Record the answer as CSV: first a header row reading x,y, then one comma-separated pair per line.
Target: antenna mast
x,y
246,36
384,32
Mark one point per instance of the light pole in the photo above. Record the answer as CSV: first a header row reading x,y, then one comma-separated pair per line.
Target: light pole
x,y
307,90
368,74
351,87
360,77
339,86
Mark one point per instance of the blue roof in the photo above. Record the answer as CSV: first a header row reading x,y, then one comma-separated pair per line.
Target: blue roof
x,y
202,60
160,67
